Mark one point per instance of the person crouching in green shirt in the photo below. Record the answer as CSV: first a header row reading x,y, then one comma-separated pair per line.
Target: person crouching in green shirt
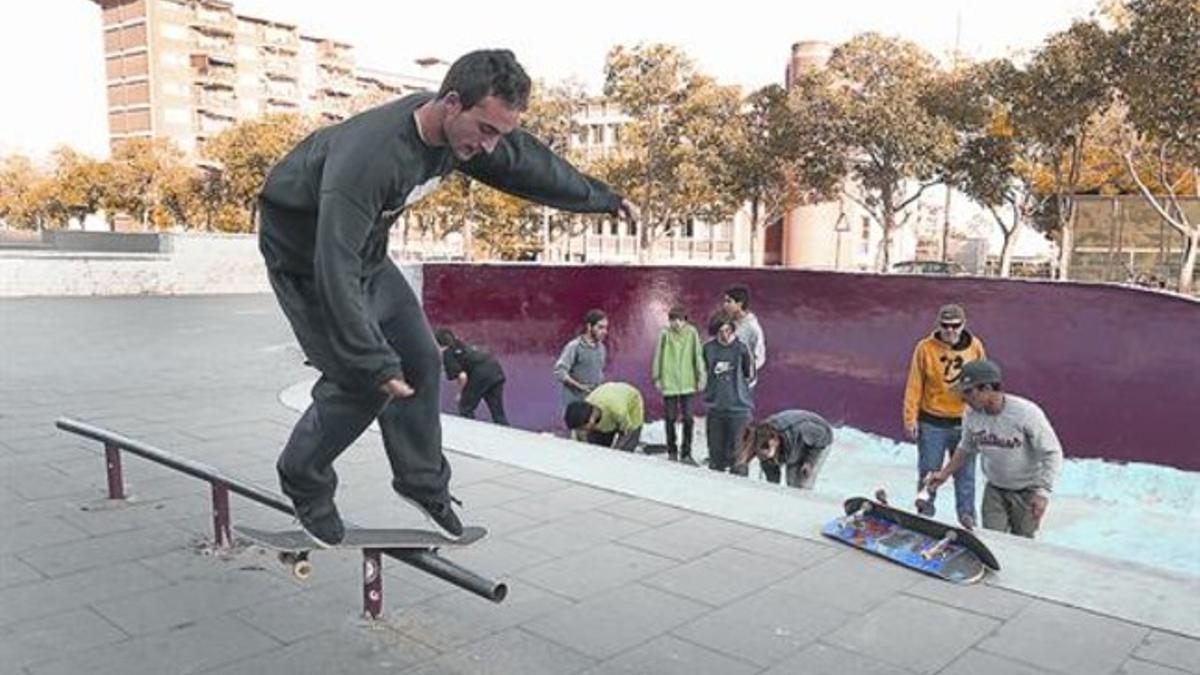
x,y
611,416
678,373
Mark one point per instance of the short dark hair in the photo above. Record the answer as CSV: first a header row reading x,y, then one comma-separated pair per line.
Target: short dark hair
x,y
578,414
739,294
718,319
445,337
593,317
677,312
487,72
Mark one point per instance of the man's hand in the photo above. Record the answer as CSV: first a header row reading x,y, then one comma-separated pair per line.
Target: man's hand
x,y
1037,506
397,388
910,430
629,211
934,479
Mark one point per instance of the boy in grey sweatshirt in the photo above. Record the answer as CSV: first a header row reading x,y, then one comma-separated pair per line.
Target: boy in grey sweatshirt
x,y
1021,455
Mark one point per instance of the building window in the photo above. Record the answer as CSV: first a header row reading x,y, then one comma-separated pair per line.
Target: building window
x,y
866,234
597,134
598,228
689,228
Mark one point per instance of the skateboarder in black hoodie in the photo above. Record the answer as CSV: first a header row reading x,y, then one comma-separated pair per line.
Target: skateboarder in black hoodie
x,y
325,212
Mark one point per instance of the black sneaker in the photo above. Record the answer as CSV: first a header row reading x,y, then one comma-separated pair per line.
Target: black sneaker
x,y
323,526
441,515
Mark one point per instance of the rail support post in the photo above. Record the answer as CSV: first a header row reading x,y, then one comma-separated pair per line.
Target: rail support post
x,y
372,583
222,535
112,461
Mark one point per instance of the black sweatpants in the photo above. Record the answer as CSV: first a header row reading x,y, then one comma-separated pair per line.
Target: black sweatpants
x,y
723,431
338,415
492,395
679,408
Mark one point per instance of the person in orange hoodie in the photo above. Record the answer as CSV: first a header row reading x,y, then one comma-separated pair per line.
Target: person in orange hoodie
x,y
933,410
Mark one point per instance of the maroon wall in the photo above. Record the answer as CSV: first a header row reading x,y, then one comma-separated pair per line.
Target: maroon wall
x,y
1117,370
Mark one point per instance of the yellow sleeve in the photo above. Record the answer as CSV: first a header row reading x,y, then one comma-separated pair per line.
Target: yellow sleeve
x,y
913,388
656,364
636,413
979,350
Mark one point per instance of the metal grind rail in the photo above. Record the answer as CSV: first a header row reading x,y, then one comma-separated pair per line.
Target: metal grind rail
x,y
222,484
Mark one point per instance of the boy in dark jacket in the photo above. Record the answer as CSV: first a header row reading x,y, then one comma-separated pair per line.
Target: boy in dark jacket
x,y
478,374
729,370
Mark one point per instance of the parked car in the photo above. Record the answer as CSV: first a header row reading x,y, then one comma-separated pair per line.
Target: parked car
x,y
928,267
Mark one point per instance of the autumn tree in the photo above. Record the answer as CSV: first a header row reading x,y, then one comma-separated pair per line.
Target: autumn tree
x,y
245,152
1158,76
142,170
83,184
1055,98
866,111
24,189
671,161
771,166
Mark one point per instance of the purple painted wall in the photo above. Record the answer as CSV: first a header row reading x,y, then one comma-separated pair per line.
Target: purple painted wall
x,y
1117,370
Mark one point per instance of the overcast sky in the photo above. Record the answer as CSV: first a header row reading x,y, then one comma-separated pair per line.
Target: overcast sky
x,y
53,79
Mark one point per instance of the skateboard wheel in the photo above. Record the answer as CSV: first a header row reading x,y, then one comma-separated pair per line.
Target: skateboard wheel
x,y
302,569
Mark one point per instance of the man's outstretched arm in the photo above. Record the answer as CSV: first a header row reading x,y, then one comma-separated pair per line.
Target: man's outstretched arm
x,y
522,165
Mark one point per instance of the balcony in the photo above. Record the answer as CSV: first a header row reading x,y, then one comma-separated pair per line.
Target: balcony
x,y
345,86
213,75
210,124
280,39
221,105
215,46
277,64
335,53
338,106
214,22
282,95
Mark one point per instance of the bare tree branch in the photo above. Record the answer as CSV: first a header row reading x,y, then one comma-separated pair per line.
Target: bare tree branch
x,y
1178,226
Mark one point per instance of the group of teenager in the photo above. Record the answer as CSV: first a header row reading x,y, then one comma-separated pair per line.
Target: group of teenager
x,y
955,408
720,372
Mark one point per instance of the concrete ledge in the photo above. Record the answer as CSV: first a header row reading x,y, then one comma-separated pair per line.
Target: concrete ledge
x,y
190,264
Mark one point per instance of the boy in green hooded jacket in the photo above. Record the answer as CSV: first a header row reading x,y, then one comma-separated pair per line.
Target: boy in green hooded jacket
x,y
678,373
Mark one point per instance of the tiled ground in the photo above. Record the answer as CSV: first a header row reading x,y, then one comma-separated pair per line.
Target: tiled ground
x,y
600,582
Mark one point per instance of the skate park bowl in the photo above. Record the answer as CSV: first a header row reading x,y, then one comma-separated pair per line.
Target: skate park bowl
x,y
1116,369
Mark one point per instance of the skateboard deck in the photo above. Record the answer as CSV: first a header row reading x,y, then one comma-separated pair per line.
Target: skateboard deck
x,y
925,545
294,546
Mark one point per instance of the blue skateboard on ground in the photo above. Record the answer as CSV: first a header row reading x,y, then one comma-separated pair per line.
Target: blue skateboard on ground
x,y
905,538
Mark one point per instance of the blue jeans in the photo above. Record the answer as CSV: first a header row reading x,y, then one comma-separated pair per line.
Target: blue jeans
x,y
934,444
